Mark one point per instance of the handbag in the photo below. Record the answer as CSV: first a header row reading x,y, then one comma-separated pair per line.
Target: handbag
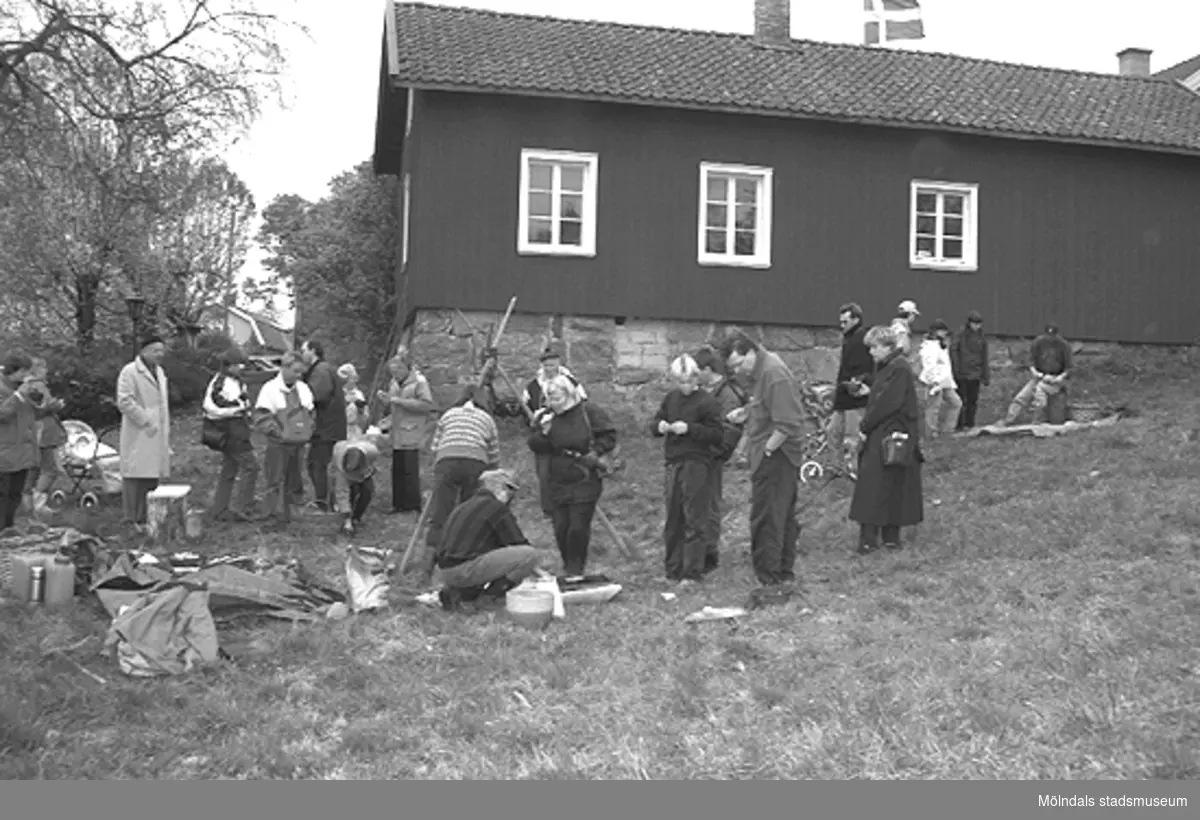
x,y
214,434
897,449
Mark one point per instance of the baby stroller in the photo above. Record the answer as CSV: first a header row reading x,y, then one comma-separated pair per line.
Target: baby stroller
x,y
91,467
817,400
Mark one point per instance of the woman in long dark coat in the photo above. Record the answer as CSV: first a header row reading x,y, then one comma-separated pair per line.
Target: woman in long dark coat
x,y
888,498
572,434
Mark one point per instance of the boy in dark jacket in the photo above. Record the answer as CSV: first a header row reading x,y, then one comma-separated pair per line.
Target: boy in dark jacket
x,y
730,396
690,420
969,358
855,373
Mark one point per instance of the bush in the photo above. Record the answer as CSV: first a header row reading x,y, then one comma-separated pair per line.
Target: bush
x,y
190,369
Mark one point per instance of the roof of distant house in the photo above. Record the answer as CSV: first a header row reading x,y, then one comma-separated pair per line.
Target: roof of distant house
x,y
458,49
1180,71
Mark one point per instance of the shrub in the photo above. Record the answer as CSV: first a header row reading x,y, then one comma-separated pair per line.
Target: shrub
x,y
189,369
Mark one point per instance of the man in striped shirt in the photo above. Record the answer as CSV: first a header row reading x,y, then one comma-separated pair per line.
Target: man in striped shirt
x,y
483,551
465,443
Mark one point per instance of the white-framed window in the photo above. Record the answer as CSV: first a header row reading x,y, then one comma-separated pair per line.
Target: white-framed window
x,y
558,203
944,226
735,215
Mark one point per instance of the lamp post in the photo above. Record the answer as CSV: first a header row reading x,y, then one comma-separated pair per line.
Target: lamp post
x,y
135,304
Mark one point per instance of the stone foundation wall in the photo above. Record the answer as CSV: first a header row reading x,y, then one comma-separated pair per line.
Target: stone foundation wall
x,y
447,345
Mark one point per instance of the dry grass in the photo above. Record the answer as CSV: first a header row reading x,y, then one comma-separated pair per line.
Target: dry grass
x,y
1044,624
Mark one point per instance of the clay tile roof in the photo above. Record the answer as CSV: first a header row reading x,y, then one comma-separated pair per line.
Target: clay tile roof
x,y
474,50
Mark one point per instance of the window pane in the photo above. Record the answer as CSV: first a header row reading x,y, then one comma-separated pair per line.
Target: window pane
x,y
570,232
572,206
539,204
540,174
743,243
714,241
718,188
745,217
926,203
572,178
747,191
952,226
953,203
716,216
952,249
926,246
540,231
926,224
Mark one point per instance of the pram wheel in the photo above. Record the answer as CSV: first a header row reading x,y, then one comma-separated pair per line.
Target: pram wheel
x,y
56,500
89,501
811,470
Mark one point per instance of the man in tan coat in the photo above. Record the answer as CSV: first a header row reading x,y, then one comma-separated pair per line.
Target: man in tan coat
x,y
142,398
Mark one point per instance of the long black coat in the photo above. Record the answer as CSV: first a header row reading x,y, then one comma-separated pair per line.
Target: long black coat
x,y
566,480
889,496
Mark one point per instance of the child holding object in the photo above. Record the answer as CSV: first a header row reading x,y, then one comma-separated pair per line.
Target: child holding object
x,y
689,419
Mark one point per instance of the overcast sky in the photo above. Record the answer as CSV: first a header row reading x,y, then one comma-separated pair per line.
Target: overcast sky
x,y
328,124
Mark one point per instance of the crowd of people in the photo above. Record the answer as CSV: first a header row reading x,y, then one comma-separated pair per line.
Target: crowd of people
x,y
737,399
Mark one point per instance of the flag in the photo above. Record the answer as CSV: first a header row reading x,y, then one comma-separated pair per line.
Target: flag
x,y
894,19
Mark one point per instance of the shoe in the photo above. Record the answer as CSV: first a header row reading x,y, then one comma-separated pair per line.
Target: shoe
x,y
686,583
450,599
348,527
892,546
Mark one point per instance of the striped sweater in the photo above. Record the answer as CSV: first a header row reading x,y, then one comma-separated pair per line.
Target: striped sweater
x,y
467,432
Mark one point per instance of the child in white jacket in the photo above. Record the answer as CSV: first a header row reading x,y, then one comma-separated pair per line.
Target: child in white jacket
x,y
937,374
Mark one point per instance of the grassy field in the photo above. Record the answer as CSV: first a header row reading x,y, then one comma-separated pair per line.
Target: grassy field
x,y
1043,623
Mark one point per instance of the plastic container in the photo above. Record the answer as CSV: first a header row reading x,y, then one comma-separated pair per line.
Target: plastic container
x,y
60,580
530,608
22,565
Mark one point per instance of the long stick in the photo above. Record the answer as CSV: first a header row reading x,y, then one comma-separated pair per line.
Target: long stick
x,y
412,542
625,546
512,303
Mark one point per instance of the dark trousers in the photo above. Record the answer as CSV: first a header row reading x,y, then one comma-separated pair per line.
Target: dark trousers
x,y
295,478
133,498
573,534
360,498
12,487
716,489
454,481
320,455
869,534
773,527
280,462
242,464
406,480
968,391
689,523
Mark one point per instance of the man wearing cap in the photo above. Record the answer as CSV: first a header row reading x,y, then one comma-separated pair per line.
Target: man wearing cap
x,y
227,405
143,399
906,314
465,443
970,357
534,398
1049,364
354,479
483,552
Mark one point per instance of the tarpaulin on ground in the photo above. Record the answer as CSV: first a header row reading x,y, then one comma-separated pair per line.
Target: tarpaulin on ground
x,y
166,631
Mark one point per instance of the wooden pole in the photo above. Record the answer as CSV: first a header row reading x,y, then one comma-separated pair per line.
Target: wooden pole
x,y
412,541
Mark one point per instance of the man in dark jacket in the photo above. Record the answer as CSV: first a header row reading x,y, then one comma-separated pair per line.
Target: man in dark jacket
x,y
730,396
482,549
1049,365
330,425
855,372
969,359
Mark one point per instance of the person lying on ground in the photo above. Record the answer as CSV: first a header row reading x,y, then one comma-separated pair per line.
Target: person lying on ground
x,y
483,553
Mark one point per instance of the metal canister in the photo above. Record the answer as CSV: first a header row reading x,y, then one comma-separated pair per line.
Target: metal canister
x,y
37,584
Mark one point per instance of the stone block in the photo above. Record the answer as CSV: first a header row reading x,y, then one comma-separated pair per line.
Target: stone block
x,y
782,337
587,324
685,337
818,364
827,337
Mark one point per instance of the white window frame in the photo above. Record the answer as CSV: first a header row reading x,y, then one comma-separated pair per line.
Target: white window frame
x,y
970,258
762,222
587,245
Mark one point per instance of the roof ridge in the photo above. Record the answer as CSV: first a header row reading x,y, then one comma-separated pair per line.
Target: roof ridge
x,y
793,42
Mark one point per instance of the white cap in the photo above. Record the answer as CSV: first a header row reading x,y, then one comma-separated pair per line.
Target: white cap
x,y
909,306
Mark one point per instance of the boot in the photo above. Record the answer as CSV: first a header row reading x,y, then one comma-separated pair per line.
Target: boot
x,y
41,501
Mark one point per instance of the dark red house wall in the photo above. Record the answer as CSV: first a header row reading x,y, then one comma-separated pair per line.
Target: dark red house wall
x,y
1102,241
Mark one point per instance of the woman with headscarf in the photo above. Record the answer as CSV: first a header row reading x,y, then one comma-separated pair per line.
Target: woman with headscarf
x,y
575,435
888,496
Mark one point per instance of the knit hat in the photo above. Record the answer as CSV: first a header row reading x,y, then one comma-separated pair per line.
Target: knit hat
x,y
553,350
975,316
151,339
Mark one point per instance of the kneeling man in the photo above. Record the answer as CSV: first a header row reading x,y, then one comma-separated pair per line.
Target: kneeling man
x,y
482,549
